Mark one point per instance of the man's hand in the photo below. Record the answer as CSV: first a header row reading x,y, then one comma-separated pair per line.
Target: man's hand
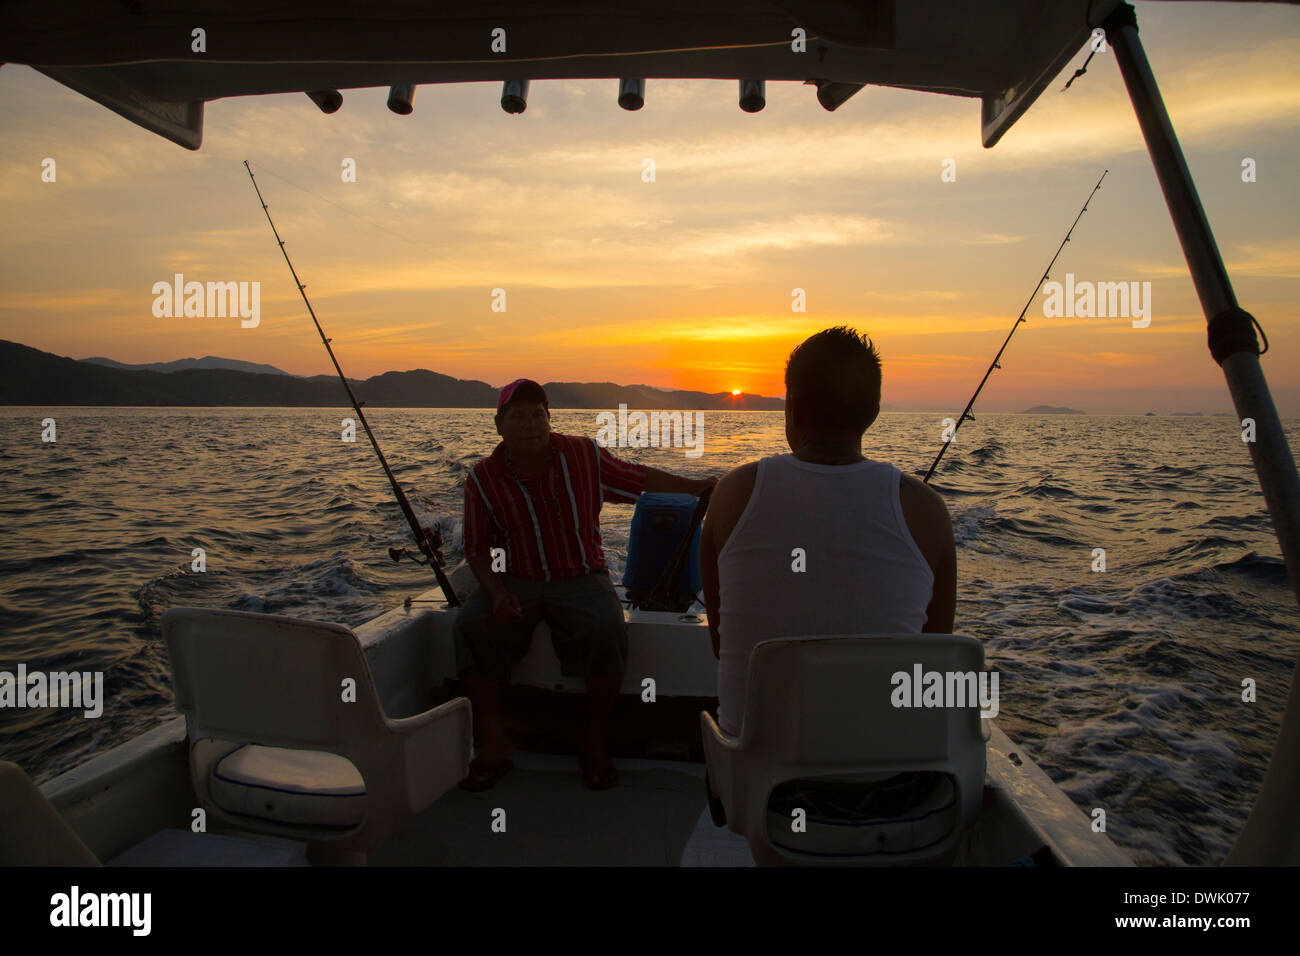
x,y
506,607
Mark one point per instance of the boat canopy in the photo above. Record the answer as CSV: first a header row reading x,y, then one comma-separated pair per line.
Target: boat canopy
x,y
146,60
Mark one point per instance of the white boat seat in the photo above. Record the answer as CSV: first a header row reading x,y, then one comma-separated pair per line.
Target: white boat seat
x,y
32,832
301,787
879,785
288,736
905,813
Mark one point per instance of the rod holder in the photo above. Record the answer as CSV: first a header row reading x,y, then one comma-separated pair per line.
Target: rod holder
x,y
329,101
514,96
834,95
753,95
631,94
401,100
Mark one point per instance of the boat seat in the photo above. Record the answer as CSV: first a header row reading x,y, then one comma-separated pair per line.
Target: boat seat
x,y
288,736
904,813
32,833
826,770
299,787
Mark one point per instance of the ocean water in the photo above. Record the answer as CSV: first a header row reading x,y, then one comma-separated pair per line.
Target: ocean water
x,y
1125,686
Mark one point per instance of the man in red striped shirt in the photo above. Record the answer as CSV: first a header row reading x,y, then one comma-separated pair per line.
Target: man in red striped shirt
x,y
532,538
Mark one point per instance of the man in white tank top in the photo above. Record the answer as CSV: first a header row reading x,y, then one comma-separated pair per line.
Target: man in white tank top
x,y
822,540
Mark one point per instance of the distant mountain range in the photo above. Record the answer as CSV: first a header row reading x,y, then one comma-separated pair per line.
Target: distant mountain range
x,y
31,377
180,365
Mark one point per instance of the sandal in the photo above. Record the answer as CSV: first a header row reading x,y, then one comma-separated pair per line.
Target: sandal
x,y
597,775
485,774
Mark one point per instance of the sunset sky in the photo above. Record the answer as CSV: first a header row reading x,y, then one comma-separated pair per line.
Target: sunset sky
x,y
684,282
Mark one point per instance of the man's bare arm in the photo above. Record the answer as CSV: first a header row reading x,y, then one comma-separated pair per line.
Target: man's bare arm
x,y
657,481
725,505
943,603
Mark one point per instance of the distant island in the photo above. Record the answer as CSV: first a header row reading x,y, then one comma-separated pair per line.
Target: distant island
x,y
29,376
1052,410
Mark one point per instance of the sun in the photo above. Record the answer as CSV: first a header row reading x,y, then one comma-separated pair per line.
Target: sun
x,y
735,391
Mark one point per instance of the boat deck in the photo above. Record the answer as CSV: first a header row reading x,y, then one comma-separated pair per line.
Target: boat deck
x,y
656,816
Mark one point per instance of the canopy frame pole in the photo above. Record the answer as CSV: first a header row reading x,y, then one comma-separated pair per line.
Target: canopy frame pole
x,y
1271,835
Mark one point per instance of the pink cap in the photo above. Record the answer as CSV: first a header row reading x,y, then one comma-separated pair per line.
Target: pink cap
x,y
508,392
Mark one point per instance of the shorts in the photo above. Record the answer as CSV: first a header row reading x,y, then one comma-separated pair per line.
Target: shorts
x,y
588,629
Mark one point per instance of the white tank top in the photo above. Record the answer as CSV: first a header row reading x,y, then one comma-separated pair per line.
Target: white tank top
x,y
864,573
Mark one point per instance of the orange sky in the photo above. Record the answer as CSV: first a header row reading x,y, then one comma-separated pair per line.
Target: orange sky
x,y
685,282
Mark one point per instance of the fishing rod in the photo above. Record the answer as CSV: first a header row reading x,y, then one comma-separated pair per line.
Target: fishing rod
x,y
429,540
971,404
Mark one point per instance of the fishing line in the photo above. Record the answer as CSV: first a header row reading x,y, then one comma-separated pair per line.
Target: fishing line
x,y
424,247
969,405
429,541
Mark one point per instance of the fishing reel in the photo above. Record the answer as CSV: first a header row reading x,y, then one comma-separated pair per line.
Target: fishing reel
x,y
432,546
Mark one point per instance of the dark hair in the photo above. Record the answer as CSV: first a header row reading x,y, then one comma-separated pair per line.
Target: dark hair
x,y
835,374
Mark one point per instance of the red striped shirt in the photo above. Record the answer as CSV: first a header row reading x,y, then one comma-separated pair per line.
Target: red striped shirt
x,y
548,526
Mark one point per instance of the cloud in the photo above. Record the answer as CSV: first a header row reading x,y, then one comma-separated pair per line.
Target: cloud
x,y
1277,259
1084,124
800,231
993,239
1118,359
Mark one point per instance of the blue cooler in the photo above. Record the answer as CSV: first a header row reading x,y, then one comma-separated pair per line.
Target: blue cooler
x,y
659,526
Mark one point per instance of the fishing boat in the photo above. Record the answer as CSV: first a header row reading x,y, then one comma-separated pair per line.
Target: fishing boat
x,y
139,802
